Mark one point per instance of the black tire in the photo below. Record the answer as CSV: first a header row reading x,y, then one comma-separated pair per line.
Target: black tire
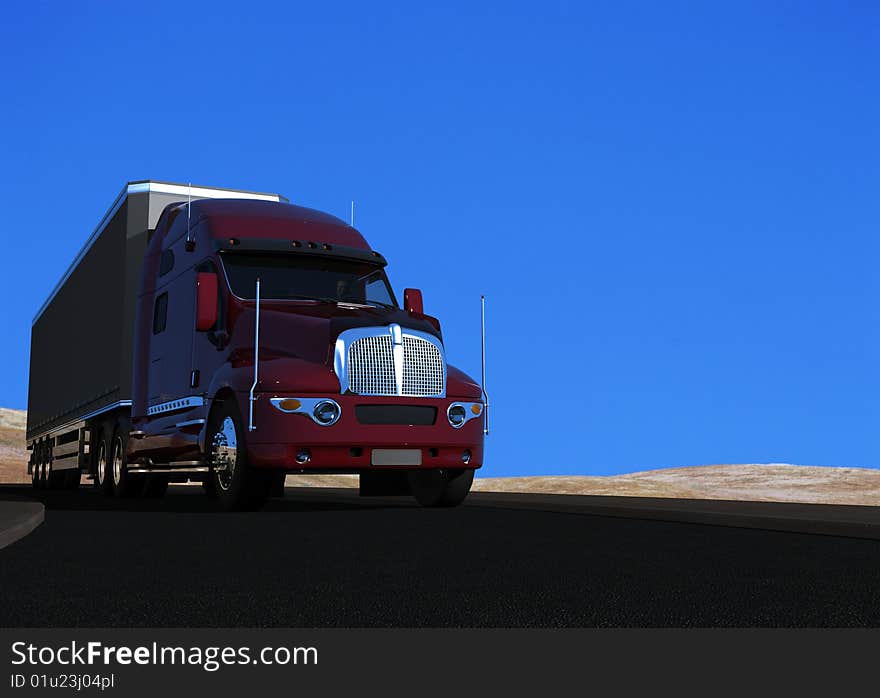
x,y
50,478
44,473
124,483
35,466
210,486
237,485
155,486
103,479
440,488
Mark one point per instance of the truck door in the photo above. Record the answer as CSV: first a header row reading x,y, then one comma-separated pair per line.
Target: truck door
x,y
174,404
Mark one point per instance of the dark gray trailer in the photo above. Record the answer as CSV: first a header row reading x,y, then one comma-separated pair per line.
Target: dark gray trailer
x,y
82,336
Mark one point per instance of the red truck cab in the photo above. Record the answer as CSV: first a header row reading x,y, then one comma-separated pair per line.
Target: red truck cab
x,y
268,340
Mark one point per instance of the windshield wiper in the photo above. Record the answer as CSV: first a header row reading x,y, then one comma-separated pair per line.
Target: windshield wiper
x,y
361,301
311,298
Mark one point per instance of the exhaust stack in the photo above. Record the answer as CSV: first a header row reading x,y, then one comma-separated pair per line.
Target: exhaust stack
x,y
483,357
251,426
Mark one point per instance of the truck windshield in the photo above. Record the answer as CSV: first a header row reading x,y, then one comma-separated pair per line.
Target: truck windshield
x,y
296,277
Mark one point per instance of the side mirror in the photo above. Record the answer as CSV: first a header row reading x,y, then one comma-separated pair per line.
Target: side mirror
x,y
412,301
206,300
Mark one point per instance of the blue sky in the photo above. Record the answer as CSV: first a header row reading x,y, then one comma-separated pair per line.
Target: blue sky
x,y
672,207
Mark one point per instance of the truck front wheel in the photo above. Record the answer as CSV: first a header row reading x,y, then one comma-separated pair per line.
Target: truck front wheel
x,y
236,485
440,488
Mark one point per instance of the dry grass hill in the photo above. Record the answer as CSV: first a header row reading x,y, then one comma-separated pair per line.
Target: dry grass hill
x,y
758,482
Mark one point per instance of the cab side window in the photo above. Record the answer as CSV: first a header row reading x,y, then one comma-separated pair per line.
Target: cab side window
x,y
160,313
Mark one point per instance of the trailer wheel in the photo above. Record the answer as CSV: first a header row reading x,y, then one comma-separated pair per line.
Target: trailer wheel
x,y
44,474
103,480
35,469
124,484
237,485
37,464
50,475
440,488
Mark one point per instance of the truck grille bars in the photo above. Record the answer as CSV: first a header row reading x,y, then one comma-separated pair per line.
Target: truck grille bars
x,y
390,361
424,370
371,366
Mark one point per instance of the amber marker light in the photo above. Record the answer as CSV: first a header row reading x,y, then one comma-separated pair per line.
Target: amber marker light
x,y
476,409
289,404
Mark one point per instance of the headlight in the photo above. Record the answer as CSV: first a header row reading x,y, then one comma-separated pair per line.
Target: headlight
x,y
326,412
321,410
457,415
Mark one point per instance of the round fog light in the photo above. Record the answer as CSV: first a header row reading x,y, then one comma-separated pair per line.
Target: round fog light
x,y
456,415
303,456
466,457
326,412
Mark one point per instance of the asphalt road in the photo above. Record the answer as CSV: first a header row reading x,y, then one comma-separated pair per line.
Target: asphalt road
x,y
319,561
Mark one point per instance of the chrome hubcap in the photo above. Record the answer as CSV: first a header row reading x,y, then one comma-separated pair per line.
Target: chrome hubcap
x,y
102,464
117,462
224,453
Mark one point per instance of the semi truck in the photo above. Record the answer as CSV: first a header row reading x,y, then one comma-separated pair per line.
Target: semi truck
x,y
230,338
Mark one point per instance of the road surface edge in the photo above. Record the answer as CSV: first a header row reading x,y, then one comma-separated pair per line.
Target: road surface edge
x,y
18,517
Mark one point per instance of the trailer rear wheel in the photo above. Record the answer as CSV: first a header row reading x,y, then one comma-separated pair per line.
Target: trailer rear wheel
x,y
50,476
53,477
103,479
124,483
440,488
35,469
237,485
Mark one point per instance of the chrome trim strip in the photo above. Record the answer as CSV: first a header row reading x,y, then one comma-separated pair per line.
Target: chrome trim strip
x,y
397,353
141,188
67,426
180,468
68,449
190,423
183,403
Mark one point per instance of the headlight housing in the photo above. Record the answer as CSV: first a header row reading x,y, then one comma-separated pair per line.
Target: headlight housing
x,y
321,410
326,412
457,415
460,413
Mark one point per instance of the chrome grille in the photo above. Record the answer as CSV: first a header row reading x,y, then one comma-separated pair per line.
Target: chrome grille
x,y
390,361
371,366
422,367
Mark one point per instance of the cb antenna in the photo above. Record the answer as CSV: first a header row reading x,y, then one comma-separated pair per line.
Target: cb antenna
x,y
352,214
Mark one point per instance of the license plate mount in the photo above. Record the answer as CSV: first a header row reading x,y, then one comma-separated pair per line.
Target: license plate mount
x,y
396,456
